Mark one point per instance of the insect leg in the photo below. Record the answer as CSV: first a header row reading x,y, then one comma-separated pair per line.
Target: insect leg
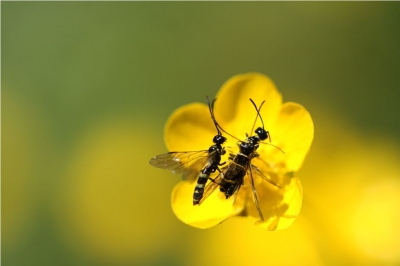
x,y
255,197
269,180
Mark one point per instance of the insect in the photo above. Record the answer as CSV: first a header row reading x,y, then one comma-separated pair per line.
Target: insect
x,y
232,178
195,163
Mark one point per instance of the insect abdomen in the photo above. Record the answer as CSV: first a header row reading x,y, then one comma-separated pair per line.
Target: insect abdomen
x,y
233,177
204,176
199,189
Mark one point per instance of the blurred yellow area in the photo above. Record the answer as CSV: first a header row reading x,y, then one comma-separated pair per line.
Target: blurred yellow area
x,y
88,86
108,203
353,197
377,234
236,243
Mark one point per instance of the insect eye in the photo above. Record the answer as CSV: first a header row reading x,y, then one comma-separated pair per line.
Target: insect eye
x,y
262,133
218,139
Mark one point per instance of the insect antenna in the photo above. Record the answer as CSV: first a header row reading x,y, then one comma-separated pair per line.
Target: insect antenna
x,y
258,114
211,107
273,146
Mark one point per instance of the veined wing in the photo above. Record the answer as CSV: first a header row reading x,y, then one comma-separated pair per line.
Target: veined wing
x,y
188,163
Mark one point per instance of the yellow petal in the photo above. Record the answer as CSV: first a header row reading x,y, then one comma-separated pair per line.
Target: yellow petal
x,y
280,206
211,212
236,113
293,132
189,128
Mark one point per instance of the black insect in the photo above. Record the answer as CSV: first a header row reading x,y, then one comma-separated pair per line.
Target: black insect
x,y
232,177
195,163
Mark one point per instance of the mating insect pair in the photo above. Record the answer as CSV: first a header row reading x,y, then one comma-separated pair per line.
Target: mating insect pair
x,y
204,163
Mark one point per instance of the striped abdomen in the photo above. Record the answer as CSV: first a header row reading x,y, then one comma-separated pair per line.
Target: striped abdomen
x,y
215,152
201,183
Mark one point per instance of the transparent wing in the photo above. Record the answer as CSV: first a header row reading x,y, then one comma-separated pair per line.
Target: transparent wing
x,y
210,187
188,163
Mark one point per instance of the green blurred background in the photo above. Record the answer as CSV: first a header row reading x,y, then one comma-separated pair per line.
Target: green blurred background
x,y
88,86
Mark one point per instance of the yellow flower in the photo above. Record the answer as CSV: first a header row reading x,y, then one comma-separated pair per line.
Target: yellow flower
x,y
291,129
